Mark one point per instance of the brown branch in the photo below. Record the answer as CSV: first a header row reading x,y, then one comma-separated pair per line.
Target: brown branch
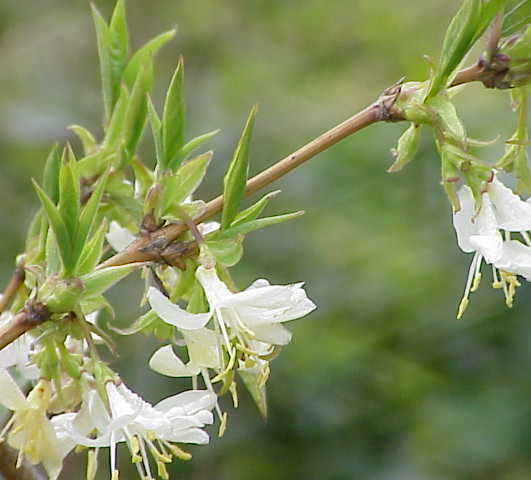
x,y
8,470
138,251
33,314
12,288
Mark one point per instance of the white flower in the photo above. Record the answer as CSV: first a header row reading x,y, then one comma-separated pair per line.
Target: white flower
x,y
119,237
30,430
145,428
486,233
256,312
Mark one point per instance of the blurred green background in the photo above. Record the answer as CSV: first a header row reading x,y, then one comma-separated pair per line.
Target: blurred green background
x,y
382,382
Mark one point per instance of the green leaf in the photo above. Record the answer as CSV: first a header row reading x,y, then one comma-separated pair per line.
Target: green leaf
x,y
69,192
458,40
195,143
228,251
99,281
88,216
250,379
143,54
52,169
254,210
92,251
144,177
117,122
52,255
118,48
176,187
156,130
173,118
489,10
236,176
103,37
406,149
244,228
136,114
518,16
58,226
87,139
144,322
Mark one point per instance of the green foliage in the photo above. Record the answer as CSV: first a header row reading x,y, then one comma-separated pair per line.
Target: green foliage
x,y
236,176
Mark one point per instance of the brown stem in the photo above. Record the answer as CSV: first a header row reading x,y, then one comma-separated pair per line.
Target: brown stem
x,y
33,314
12,288
137,252
8,470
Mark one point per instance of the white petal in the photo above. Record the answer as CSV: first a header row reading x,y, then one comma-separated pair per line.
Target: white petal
x,y
11,396
191,435
273,333
175,315
516,258
190,401
119,237
208,227
512,212
203,348
463,219
488,240
215,290
165,362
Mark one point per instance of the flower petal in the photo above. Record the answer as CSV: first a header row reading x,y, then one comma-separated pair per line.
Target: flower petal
x,y
488,240
512,213
165,362
11,397
215,290
273,333
463,219
119,237
175,315
191,401
516,258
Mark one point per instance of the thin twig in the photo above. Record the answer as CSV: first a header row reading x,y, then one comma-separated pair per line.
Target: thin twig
x,y
12,288
33,314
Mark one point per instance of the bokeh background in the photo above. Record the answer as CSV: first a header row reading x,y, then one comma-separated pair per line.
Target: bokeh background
x,y
382,382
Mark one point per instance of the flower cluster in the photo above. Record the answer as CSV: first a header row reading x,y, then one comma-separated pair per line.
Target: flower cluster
x,y
496,231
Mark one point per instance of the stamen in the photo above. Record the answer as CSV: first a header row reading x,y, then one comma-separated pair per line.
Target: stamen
x,y
223,425
496,283
92,464
526,237
179,452
471,273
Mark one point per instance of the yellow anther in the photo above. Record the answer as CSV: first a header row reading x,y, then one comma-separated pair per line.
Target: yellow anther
x,y
223,425
163,473
136,458
462,308
476,282
179,452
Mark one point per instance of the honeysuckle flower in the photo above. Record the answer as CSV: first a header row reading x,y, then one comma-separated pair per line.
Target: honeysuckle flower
x,y
30,430
256,313
487,233
145,428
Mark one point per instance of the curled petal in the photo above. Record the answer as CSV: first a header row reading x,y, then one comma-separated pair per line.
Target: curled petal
x,y
119,237
165,362
175,315
464,225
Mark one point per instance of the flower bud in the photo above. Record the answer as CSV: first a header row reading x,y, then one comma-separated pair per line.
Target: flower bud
x,y
407,146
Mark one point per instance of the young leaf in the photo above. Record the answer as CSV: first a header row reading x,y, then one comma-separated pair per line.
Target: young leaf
x,y
69,194
116,124
99,281
458,40
58,226
144,177
173,119
52,255
516,17
135,116
236,176
228,251
250,379
52,169
259,223
195,143
489,10
87,139
92,251
156,130
143,54
88,216
254,210
103,37
118,49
